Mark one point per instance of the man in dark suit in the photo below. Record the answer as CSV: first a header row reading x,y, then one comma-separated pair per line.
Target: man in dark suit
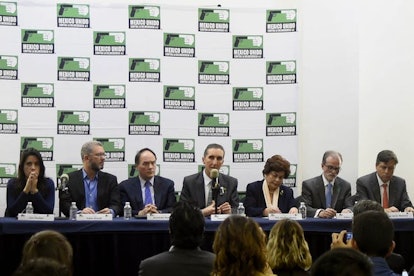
x,y
160,191
197,187
93,191
383,187
327,194
185,258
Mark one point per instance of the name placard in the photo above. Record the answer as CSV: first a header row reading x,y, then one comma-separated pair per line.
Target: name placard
x,y
219,217
344,215
279,216
93,216
38,217
163,216
399,215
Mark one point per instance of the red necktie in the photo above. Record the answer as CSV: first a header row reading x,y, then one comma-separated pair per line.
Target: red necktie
x,y
385,196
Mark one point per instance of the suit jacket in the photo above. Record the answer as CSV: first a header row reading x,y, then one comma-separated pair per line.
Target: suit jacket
x,y
368,188
180,262
108,192
193,190
164,194
255,201
313,194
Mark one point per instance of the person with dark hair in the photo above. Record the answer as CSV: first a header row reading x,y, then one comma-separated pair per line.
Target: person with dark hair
x,y
148,193
342,262
185,258
383,186
42,267
31,185
327,194
93,190
198,187
269,195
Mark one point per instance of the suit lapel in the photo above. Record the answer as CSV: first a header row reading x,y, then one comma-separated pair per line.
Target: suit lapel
x,y
392,191
81,187
157,192
199,190
375,188
335,192
321,192
137,192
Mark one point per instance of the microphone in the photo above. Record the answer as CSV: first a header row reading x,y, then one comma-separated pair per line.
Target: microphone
x,y
215,189
214,173
64,179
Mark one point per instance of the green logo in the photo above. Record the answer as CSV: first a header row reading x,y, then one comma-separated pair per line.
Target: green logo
x,y
249,150
43,144
37,94
144,17
73,122
108,96
73,68
73,15
213,20
144,123
133,172
213,72
66,168
178,150
179,97
247,98
279,21
38,41
8,13
281,72
144,69
114,148
248,46
281,124
8,68
8,121
179,45
109,43
7,171
291,180
213,124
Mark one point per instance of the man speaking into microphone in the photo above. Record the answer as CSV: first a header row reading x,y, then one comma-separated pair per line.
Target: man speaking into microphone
x,y
213,192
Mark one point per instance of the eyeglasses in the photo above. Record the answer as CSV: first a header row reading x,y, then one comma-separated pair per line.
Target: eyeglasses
x,y
332,168
100,154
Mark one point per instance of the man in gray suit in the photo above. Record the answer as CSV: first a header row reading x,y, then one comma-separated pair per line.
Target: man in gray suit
x,y
185,256
197,187
383,186
327,194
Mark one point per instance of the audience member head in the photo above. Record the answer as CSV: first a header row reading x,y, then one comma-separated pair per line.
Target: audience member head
x,y
366,205
240,248
146,163
373,233
42,267
342,262
331,164
287,248
30,158
186,225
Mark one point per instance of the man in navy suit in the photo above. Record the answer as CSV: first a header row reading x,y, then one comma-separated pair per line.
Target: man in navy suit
x,y
383,184
196,187
148,193
315,190
93,191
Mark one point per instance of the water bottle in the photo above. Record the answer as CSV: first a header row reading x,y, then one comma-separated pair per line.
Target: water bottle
x,y
302,209
241,210
29,208
127,210
404,273
73,211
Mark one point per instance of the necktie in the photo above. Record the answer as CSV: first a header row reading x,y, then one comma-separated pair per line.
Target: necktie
x,y
148,198
328,195
385,196
210,194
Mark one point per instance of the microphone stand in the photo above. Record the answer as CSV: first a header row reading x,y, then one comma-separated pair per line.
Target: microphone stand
x,y
215,190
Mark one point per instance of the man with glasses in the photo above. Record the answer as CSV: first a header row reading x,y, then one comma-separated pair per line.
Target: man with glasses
x,y
93,191
383,186
327,194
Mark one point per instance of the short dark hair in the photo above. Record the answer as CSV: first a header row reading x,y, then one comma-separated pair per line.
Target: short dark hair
x,y
213,146
186,225
139,153
386,156
330,153
366,205
277,163
342,262
42,266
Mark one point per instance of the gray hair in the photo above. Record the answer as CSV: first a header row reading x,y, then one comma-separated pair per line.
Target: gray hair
x,y
87,148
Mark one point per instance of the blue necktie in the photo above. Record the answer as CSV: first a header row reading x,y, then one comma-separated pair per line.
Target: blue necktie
x,y
328,195
148,198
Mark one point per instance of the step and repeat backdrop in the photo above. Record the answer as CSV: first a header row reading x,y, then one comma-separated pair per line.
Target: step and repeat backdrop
x,y
173,77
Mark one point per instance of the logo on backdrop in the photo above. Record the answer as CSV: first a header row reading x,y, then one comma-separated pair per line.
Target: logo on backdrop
x,y
133,172
281,124
249,150
247,98
144,123
73,15
114,148
38,41
73,122
7,171
74,69
65,168
213,124
109,43
291,180
213,72
224,169
108,96
179,45
8,121
179,97
144,69
8,13
8,67
213,20
43,144
144,17
38,94
281,72
247,46
178,150
280,21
